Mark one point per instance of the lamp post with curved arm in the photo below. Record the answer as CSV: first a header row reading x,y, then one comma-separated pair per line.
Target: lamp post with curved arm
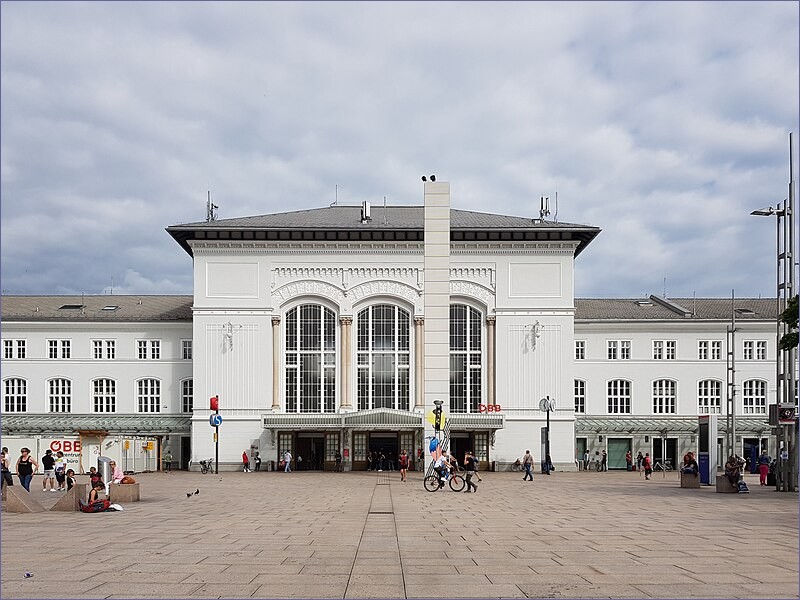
x,y
547,405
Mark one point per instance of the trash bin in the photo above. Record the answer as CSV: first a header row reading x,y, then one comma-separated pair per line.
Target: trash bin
x,y
104,468
494,465
270,465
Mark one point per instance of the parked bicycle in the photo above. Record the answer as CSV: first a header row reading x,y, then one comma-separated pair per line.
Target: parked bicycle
x,y
665,466
455,480
517,466
206,466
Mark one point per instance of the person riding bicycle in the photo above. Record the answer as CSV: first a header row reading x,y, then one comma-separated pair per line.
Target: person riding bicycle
x,y
441,468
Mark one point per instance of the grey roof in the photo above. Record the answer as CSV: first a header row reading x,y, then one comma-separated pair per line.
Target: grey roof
x,y
392,223
396,217
129,308
657,308
109,423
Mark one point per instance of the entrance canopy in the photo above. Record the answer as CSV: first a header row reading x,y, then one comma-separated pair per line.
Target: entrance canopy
x,y
584,425
378,418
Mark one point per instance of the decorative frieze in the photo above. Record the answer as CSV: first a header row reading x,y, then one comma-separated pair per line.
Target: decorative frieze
x,y
391,288
308,288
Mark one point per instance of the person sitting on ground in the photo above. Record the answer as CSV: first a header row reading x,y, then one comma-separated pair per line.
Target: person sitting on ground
x,y
95,502
733,470
690,465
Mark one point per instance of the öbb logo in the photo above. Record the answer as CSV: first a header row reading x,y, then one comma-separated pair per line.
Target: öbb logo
x,y
489,408
65,445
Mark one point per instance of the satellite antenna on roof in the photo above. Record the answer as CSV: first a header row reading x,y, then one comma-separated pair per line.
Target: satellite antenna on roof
x,y
211,208
544,207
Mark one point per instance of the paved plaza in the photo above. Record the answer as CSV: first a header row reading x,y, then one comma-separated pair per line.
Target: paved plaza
x,y
361,535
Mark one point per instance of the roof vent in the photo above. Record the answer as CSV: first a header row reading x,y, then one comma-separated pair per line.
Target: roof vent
x,y
745,311
70,307
365,212
110,307
644,303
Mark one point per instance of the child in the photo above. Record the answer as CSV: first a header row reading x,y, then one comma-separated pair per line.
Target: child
x,y
70,479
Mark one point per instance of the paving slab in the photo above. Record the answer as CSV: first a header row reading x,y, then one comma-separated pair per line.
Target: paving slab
x,y
367,535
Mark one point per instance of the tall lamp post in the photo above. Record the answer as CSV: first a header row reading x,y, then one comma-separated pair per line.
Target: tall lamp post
x,y
547,405
786,359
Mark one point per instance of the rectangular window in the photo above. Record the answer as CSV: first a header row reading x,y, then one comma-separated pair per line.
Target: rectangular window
x,y
186,349
21,348
580,350
613,348
749,352
187,395
761,350
625,350
142,349
618,350
716,350
103,349
664,349
52,348
580,396
8,349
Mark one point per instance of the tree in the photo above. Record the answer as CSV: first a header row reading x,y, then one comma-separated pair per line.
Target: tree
x,y
789,316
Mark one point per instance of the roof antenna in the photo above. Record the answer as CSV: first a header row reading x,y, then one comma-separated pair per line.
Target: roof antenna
x,y
112,286
211,208
336,196
544,207
555,214
385,216
665,288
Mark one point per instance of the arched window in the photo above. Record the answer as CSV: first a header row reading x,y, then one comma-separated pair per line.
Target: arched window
x,y
310,371
619,397
754,397
104,396
187,395
148,395
465,358
15,395
60,395
580,396
709,397
383,357
664,397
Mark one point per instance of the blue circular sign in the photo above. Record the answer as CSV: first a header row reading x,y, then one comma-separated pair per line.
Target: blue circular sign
x,y
215,420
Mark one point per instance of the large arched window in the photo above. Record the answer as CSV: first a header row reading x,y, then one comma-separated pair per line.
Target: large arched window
x,y
465,358
383,357
310,359
104,396
619,397
709,396
754,397
148,395
15,395
60,395
664,397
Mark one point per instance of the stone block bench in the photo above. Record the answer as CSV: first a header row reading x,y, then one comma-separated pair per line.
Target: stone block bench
x,y
123,492
724,486
690,481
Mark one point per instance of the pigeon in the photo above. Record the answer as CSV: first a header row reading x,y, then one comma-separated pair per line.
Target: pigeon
x,y
189,494
197,491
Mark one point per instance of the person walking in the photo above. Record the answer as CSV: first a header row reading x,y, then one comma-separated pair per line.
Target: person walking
x,y
338,459
648,466
639,461
26,467
167,461
5,465
586,460
246,462
604,461
469,467
629,461
764,461
527,462
49,466
403,465
287,459
257,460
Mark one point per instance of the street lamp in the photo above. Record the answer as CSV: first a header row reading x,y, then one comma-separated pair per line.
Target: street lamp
x,y
785,359
547,405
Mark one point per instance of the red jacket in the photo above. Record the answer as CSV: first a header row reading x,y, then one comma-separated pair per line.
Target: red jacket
x,y
245,460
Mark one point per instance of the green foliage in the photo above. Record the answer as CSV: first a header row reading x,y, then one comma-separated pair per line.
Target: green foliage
x,y
789,316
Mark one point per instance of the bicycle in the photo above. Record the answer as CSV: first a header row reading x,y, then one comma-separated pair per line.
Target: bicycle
x,y
665,467
517,466
455,480
206,466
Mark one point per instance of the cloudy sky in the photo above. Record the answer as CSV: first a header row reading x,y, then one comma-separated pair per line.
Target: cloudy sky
x,y
662,123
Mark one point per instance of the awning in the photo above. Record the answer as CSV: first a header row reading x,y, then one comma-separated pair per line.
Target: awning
x,y
378,418
151,424
655,425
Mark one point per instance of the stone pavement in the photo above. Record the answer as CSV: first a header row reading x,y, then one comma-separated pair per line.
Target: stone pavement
x,y
360,535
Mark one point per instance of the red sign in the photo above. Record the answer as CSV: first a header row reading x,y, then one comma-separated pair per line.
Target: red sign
x,y
66,446
489,408
346,452
214,402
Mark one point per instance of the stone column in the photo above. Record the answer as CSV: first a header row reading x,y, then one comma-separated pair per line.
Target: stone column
x,y
345,353
276,364
490,360
419,363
